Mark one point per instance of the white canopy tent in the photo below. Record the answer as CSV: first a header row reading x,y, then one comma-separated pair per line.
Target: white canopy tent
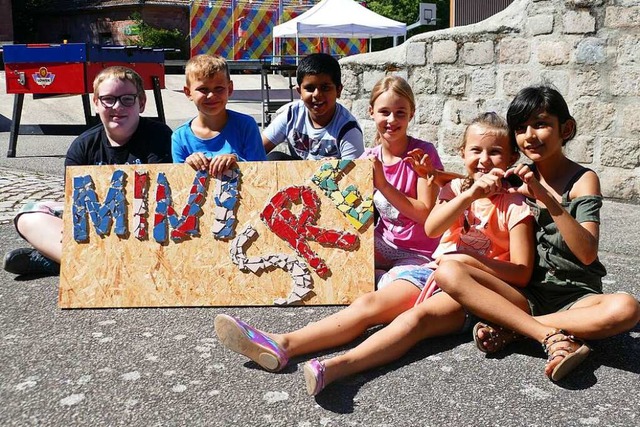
x,y
339,19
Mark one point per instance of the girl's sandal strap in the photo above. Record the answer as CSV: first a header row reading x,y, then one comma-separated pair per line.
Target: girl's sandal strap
x,y
571,357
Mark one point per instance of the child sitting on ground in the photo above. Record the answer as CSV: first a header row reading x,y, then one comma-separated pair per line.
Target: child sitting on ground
x,y
486,226
563,304
217,137
404,194
316,127
122,137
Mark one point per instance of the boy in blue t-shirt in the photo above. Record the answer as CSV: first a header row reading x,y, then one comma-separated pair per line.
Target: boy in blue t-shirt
x,y
216,138
316,127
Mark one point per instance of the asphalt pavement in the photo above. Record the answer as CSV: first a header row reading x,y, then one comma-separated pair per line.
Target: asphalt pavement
x,y
165,367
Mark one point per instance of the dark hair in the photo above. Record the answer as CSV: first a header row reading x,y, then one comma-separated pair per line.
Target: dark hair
x,y
536,99
319,63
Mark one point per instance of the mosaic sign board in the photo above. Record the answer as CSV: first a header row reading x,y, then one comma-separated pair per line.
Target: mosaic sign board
x,y
265,233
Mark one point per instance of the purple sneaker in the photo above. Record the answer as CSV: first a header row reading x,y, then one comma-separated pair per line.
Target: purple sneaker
x,y
314,376
239,337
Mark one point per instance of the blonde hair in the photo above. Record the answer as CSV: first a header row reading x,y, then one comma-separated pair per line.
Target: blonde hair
x,y
119,72
494,123
205,66
397,85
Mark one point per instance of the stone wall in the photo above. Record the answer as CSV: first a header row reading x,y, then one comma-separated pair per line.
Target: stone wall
x,y
588,49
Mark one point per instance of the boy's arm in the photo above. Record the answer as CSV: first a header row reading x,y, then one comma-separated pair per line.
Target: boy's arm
x,y
76,154
351,144
267,145
177,149
254,144
160,150
275,133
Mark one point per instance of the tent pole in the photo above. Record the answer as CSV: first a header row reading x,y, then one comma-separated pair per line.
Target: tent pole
x,y
370,45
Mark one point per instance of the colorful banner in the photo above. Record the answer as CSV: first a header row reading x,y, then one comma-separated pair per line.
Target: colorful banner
x,y
242,30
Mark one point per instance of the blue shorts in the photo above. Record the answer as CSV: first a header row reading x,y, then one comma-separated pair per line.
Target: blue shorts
x,y
418,275
415,274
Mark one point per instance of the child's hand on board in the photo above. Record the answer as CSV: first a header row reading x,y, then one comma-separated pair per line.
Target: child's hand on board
x,y
221,163
198,161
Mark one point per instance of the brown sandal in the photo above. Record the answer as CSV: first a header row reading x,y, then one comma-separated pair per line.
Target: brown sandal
x,y
498,339
570,357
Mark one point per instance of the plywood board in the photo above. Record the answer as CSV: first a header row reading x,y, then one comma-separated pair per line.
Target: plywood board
x,y
111,270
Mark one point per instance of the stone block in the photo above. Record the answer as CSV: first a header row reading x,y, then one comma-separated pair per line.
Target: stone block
x,y
558,78
587,83
514,80
452,82
460,112
423,80
360,107
620,152
497,105
594,117
514,51
540,24
631,119
350,84
444,52
480,53
580,149
483,82
370,78
591,51
425,132
450,139
368,132
583,3
578,22
622,16
619,183
416,53
625,81
429,109
629,50
553,53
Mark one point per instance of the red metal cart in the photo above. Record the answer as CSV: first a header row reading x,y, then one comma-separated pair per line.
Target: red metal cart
x,y
56,69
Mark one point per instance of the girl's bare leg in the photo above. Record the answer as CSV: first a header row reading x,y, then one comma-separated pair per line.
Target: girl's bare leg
x,y
439,315
44,232
597,316
374,308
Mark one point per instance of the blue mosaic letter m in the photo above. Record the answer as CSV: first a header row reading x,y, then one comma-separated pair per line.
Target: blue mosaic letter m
x,y
85,201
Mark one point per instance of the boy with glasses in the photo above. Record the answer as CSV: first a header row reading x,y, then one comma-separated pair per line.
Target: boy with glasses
x,y
217,137
122,137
